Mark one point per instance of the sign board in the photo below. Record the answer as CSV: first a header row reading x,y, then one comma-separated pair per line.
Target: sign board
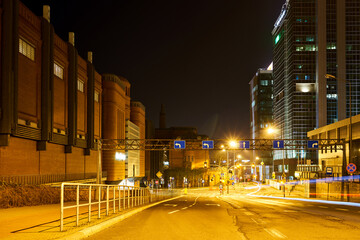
x,y
208,144
273,175
313,144
159,174
244,144
179,144
278,144
329,170
351,168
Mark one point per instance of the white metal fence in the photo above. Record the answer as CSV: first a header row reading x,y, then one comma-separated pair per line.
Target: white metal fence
x,y
103,199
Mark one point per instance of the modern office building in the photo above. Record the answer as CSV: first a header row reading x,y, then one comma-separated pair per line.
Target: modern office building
x,y
261,110
312,38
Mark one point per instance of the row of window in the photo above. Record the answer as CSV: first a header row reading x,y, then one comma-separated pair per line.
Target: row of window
x,y
28,51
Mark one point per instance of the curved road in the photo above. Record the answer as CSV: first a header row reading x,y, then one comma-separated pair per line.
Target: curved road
x,y
203,214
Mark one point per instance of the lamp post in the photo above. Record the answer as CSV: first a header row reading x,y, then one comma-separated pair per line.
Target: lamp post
x,y
329,76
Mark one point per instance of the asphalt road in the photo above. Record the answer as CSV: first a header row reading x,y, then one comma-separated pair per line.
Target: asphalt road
x,y
203,214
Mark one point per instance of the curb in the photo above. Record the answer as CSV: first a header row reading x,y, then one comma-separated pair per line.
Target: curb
x,y
86,232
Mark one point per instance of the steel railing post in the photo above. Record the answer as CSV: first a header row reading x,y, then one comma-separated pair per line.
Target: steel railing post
x,y
99,201
77,204
124,196
119,194
128,190
62,207
114,199
89,203
132,197
107,200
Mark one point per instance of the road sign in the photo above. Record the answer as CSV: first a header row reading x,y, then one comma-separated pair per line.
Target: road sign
x,y
278,144
313,144
329,170
244,144
179,144
351,168
209,144
159,174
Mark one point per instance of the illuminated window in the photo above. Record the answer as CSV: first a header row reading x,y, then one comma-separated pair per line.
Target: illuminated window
x,y
264,82
331,96
26,49
96,96
80,85
277,39
58,71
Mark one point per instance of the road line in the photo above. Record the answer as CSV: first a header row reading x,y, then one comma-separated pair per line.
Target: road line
x,y
342,209
248,213
275,233
173,211
170,205
184,208
254,221
323,207
290,211
212,204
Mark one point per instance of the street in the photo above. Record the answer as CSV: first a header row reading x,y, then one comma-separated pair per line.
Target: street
x,y
204,214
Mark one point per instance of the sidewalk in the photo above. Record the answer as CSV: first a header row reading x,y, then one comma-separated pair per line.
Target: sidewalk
x,y
43,222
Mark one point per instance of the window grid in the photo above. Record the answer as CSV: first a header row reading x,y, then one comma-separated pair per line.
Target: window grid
x,y
26,49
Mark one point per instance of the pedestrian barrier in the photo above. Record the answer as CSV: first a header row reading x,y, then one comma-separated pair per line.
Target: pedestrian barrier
x,y
113,198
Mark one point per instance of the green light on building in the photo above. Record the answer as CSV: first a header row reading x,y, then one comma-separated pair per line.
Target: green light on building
x,y
277,39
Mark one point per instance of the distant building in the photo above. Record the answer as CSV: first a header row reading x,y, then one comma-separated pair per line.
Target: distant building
x,y
261,114
171,159
313,38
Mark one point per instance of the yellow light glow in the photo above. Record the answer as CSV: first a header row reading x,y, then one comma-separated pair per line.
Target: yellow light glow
x,y
232,144
239,156
271,130
257,158
222,146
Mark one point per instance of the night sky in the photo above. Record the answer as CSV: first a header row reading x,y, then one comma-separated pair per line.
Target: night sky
x,y
195,56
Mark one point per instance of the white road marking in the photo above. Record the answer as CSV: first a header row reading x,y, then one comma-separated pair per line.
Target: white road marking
x,y
323,207
212,204
254,221
275,233
248,213
173,211
170,205
184,208
290,211
342,209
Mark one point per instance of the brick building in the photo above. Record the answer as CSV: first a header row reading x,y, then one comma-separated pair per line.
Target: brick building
x,y
51,115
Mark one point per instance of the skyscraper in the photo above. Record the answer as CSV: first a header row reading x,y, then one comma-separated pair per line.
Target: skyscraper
x,y
261,114
312,38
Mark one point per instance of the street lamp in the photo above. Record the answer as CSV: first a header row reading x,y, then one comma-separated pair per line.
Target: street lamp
x,y
329,76
272,130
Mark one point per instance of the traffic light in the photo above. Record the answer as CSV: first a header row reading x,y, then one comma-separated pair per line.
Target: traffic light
x,y
205,164
253,165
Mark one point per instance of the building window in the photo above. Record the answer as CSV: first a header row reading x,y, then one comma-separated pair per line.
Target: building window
x,y
264,82
96,96
58,71
26,49
80,85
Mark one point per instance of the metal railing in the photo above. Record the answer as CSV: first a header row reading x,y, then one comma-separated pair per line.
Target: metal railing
x,y
106,198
